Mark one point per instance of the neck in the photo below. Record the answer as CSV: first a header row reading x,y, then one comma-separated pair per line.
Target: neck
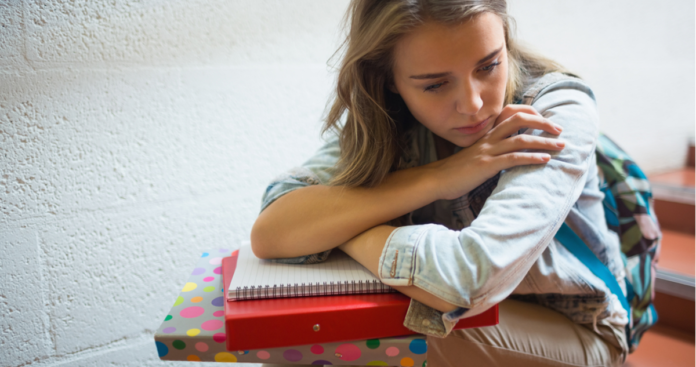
x,y
443,148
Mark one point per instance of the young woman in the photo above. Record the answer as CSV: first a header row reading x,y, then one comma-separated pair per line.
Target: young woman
x,y
442,183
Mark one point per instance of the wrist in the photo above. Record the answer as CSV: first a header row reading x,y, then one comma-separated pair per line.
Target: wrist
x,y
366,248
430,182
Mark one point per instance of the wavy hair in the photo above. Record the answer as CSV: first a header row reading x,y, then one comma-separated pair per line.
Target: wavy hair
x,y
376,119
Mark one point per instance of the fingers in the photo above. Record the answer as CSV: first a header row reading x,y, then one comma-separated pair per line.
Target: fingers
x,y
512,109
525,142
520,120
515,159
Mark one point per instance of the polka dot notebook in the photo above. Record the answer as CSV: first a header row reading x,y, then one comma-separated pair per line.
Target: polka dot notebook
x,y
193,330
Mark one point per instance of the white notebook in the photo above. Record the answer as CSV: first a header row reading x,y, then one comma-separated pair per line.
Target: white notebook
x,y
339,274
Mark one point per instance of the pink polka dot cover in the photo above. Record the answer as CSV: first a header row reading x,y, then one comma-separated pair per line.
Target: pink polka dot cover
x,y
193,330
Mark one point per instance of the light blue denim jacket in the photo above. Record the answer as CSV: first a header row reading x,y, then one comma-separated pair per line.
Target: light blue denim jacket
x,y
476,260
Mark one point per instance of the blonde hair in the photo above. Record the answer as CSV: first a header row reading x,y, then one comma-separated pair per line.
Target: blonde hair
x,y
376,119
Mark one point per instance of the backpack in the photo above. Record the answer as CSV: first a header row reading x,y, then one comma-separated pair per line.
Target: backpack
x,y
628,210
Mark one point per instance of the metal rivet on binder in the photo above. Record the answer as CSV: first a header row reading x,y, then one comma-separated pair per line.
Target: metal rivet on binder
x,y
316,327
338,355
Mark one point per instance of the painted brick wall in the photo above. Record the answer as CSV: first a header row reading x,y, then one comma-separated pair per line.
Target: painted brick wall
x,y
135,134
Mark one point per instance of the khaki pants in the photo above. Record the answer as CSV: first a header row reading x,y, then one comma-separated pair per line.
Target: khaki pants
x,y
528,335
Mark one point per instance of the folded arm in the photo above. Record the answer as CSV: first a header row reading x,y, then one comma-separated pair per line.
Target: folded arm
x,y
318,218
481,265
304,218
301,217
366,248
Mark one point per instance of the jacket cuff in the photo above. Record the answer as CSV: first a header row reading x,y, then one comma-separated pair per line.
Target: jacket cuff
x,y
397,266
429,321
397,262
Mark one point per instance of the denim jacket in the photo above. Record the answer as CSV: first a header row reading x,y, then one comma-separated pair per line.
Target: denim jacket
x,y
498,241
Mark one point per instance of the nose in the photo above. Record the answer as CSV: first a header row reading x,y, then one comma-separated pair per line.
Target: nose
x,y
469,100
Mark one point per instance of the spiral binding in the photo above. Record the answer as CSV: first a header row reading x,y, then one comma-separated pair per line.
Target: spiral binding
x,y
311,289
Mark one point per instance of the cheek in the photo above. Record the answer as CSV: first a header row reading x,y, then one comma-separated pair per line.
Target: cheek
x,y
495,93
429,111
419,101
501,83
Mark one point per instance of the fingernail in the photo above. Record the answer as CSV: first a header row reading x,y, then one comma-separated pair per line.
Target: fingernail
x,y
558,128
560,144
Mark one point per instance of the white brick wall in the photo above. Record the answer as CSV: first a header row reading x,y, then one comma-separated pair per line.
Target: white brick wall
x,y
639,58
134,135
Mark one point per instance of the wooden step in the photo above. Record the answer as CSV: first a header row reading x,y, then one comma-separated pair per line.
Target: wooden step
x,y
675,215
671,341
664,347
674,199
681,177
675,312
677,253
674,283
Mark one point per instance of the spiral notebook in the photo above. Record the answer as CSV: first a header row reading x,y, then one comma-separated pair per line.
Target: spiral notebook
x,y
255,278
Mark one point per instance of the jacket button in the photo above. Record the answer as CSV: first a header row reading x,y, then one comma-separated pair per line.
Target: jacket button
x,y
426,322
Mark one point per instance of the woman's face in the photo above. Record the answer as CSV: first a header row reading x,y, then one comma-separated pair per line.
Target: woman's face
x,y
453,77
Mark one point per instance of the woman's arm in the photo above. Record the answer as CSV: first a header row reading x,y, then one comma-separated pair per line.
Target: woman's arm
x,y
366,249
317,218
466,272
479,266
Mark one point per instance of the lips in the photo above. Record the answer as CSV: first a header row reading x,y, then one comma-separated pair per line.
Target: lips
x,y
475,128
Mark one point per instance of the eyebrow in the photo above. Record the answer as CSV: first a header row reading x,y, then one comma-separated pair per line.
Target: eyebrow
x,y
440,75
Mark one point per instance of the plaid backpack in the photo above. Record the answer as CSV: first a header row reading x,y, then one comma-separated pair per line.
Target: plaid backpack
x,y
628,209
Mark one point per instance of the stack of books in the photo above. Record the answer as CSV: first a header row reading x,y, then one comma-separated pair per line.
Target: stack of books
x,y
270,304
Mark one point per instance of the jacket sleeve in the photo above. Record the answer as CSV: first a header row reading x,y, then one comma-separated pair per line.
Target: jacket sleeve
x,y
317,170
481,265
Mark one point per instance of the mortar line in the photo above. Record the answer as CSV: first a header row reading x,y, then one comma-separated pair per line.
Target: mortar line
x,y
25,51
126,66
49,340
116,345
207,197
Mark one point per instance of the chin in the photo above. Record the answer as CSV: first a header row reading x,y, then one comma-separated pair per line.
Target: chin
x,y
465,142
465,145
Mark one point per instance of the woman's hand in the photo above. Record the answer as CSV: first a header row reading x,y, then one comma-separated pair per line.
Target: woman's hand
x,y
462,172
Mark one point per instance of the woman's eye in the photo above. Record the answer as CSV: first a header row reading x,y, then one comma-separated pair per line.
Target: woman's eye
x,y
490,67
433,87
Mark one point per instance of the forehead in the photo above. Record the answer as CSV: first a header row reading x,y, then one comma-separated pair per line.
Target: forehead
x,y
436,47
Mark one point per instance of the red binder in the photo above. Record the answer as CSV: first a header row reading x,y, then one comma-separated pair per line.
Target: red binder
x,y
282,322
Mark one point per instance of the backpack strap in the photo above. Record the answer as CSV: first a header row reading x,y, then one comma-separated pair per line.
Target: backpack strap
x,y
577,247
